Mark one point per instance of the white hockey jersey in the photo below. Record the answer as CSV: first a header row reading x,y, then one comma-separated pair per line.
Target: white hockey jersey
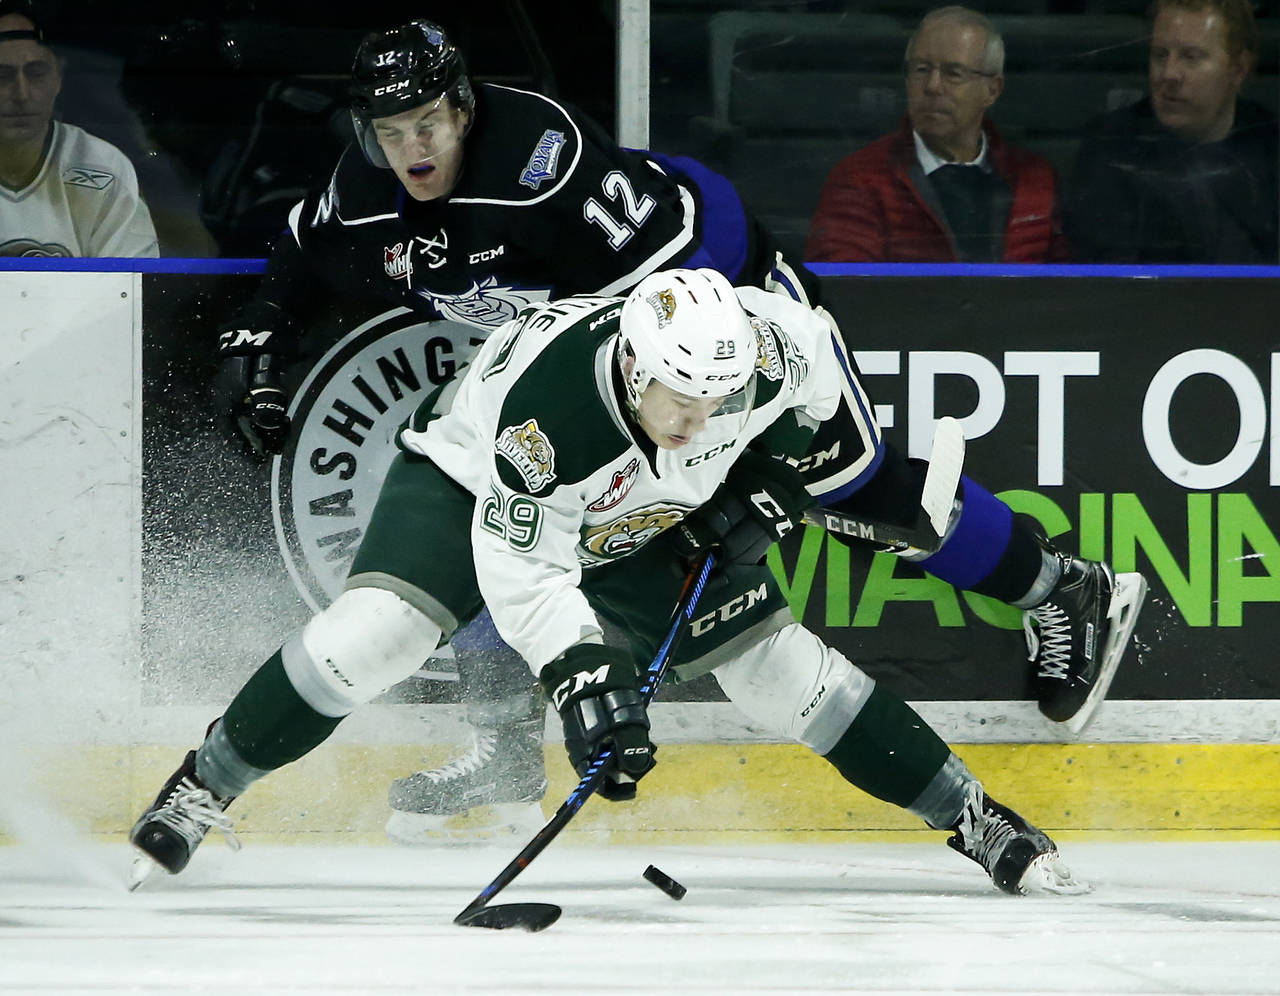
x,y
563,481
84,201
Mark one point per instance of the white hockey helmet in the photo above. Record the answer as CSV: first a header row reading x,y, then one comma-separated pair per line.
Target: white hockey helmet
x,y
687,330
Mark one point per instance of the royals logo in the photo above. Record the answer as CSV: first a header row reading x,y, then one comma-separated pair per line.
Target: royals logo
x,y
545,160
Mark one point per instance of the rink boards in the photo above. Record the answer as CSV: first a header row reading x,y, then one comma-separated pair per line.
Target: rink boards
x,y
149,572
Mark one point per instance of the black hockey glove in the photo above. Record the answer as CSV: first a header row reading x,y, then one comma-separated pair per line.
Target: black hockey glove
x,y
597,692
250,388
760,501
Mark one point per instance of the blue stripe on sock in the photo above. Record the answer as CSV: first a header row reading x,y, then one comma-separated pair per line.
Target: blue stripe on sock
x,y
978,542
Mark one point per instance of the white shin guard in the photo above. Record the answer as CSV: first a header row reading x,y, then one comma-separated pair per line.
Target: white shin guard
x,y
795,684
361,645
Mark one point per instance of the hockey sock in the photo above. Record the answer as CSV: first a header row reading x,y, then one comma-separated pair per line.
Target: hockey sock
x,y
889,752
268,724
990,551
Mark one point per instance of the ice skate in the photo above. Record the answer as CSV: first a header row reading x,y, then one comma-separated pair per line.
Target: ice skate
x,y
1020,859
1078,636
173,826
493,790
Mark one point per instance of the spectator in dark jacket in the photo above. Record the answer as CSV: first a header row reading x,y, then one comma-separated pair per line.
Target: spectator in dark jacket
x,y
944,187
1188,174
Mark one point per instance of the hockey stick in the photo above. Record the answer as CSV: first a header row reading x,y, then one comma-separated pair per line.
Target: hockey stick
x,y
942,479
539,916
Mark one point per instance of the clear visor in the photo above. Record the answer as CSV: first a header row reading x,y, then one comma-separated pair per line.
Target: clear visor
x,y
672,419
414,139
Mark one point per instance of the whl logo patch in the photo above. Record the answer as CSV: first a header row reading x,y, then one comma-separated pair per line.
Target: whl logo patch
x,y
623,480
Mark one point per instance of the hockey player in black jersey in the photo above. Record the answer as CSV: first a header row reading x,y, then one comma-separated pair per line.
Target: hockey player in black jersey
x,y
468,203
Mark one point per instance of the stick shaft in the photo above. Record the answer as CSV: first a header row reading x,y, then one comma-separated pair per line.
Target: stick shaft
x,y
594,775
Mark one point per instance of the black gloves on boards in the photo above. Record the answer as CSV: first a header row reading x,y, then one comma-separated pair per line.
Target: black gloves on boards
x,y
250,388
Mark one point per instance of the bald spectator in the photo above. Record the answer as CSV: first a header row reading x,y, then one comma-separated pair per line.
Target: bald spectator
x,y
1188,174
944,187
63,192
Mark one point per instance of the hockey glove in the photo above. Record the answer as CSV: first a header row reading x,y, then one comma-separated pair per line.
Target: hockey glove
x,y
251,390
597,692
760,501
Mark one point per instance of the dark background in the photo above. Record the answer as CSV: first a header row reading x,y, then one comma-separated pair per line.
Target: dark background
x,y
217,597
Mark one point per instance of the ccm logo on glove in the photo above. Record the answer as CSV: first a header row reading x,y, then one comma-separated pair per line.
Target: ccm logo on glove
x,y
577,683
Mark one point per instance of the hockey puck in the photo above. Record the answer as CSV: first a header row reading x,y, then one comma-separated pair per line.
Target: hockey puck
x,y
665,882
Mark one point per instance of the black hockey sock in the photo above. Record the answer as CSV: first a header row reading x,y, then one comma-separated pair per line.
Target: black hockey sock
x,y
889,751
268,724
1018,568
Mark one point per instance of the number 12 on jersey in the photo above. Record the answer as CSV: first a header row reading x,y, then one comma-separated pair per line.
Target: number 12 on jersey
x,y
617,187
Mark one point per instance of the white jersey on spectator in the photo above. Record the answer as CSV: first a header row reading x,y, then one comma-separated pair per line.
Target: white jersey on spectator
x,y
84,201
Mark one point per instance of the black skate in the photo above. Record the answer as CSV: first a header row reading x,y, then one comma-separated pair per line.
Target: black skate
x,y
173,826
495,788
1020,859
1078,636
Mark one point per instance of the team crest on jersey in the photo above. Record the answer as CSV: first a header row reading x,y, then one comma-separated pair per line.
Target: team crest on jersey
x,y
530,452
487,304
663,303
628,533
618,488
770,363
544,162
84,176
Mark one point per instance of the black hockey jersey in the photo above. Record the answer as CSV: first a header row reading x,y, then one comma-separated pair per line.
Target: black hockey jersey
x,y
545,206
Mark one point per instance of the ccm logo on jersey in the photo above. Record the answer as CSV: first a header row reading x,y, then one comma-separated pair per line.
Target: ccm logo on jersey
x,y
576,683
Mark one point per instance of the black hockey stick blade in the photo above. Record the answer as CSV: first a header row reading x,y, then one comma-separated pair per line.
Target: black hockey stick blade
x,y
511,916
539,916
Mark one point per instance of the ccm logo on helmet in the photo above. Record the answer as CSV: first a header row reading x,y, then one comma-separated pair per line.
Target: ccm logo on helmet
x,y
382,91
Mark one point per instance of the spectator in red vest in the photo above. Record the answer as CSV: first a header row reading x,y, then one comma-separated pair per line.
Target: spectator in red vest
x,y
944,187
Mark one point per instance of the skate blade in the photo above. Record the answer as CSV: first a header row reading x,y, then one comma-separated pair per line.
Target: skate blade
x,y
1127,598
1048,875
140,871
499,823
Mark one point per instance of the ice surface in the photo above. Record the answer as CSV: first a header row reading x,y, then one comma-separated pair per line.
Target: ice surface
x,y
787,918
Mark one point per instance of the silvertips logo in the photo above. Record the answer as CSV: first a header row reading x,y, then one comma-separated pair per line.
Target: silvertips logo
x,y
347,411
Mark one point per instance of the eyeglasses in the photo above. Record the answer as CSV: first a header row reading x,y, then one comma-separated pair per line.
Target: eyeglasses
x,y
953,73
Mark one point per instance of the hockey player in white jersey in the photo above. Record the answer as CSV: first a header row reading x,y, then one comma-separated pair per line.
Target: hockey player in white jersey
x,y
63,192
594,447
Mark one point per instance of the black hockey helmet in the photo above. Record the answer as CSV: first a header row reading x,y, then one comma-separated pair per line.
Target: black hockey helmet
x,y
401,69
